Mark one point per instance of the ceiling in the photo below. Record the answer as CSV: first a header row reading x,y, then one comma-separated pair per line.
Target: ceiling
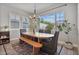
x,y
29,7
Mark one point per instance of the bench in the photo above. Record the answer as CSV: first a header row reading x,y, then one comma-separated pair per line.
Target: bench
x,y
36,45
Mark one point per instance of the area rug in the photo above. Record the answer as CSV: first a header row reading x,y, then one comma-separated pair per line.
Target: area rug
x,y
22,49
25,49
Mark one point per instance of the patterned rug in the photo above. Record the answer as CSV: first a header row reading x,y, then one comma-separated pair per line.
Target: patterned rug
x,y
24,49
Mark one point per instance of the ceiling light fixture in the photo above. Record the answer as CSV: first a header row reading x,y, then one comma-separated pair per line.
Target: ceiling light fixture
x,y
34,16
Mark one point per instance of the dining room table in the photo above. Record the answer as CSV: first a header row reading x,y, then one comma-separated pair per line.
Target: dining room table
x,y
38,35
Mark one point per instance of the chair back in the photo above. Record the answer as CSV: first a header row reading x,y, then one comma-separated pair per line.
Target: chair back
x,y
54,41
22,30
50,46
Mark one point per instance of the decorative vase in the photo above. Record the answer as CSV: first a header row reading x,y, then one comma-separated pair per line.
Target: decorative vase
x,y
68,44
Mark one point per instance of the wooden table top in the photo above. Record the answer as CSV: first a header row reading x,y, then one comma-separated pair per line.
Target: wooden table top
x,y
38,35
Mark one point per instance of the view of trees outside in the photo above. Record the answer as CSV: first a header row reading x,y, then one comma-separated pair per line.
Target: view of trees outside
x,y
50,21
49,26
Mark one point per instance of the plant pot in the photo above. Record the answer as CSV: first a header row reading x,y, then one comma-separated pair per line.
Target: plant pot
x,y
69,45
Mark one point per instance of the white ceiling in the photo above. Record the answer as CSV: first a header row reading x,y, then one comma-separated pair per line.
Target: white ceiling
x,y
29,7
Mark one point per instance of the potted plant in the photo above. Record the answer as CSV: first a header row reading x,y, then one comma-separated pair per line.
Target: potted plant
x,y
66,28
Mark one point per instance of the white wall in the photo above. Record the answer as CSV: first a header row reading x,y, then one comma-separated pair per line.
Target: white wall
x,y
5,10
78,28
71,16
4,18
0,17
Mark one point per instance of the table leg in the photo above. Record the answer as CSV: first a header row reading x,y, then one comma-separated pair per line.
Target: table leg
x,y
35,50
38,40
20,41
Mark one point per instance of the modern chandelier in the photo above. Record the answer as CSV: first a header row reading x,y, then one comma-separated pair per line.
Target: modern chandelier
x,y
34,15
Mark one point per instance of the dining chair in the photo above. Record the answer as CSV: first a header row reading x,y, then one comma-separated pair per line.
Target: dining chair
x,y
44,31
41,31
50,46
22,30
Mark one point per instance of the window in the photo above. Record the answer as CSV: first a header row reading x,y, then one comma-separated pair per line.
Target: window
x,y
25,23
47,23
14,24
60,17
14,21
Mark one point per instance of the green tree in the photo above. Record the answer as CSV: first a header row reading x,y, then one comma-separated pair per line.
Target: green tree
x,y
49,25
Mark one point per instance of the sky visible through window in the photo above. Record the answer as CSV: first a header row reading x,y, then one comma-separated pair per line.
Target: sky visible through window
x,y
51,17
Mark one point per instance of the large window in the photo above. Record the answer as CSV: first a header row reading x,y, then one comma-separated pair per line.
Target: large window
x,y
48,22
14,24
14,21
25,22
